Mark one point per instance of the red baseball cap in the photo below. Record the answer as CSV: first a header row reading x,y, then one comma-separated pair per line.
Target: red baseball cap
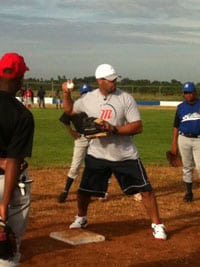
x,y
15,63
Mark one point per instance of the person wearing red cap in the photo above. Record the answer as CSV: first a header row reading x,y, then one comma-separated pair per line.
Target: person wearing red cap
x,y
12,66
16,140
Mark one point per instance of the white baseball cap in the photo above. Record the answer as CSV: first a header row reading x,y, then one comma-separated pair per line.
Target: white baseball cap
x,y
106,71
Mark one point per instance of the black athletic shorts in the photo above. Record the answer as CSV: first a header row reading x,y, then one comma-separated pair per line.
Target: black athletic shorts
x,y
130,175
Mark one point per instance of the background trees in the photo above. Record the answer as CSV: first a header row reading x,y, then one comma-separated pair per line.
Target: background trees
x,y
141,89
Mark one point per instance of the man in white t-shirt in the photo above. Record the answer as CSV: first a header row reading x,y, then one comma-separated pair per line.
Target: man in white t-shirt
x,y
116,153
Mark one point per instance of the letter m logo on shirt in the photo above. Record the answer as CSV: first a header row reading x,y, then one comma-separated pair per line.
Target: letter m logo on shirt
x,y
106,114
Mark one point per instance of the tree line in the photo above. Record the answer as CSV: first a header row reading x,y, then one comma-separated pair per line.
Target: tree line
x,y
142,86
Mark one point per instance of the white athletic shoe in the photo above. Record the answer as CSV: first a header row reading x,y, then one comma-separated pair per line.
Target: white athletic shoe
x,y
5,263
79,222
137,197
159,231
103,199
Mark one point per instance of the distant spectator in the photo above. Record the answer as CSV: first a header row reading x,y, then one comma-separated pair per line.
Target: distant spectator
x,y
21,94
28,97
58,99
31,94
41,99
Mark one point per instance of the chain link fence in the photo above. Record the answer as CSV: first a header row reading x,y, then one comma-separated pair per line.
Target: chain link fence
x,y
139,92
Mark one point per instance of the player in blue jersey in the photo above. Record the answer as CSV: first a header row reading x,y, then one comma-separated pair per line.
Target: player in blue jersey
x,y
186,136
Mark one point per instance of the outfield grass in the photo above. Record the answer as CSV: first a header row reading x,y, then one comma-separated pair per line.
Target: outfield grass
x,y
53,145
155,140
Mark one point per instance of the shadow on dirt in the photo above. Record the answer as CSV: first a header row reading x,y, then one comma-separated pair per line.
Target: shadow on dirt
x,y
190,261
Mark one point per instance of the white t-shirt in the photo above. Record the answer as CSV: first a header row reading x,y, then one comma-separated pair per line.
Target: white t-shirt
x,y
118,108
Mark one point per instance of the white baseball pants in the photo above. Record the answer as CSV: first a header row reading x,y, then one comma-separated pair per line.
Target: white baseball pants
x,y
190,152
79,152
18,211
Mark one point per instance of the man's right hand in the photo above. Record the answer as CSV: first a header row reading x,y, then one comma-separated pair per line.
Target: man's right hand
x,y
67,100
67,86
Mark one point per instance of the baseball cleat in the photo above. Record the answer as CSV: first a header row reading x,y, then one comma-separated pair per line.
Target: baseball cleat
x,y
159,231
62,197
188,197
80,222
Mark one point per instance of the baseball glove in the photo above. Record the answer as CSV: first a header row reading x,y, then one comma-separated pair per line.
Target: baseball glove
x,y
93,128
174,160
7,242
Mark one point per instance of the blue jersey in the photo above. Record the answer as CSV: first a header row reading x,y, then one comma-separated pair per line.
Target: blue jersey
x,y
187,118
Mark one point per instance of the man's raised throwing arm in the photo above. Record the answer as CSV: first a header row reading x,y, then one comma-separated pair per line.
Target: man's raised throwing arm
x,y
67,100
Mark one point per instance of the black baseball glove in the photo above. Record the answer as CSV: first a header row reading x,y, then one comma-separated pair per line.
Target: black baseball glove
x,y
174,160
7,242
93,128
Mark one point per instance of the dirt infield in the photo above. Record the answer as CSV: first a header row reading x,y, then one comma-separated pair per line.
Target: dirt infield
x,y
124,223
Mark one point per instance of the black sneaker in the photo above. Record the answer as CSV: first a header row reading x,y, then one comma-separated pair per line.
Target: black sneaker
x,y
188,197
62,197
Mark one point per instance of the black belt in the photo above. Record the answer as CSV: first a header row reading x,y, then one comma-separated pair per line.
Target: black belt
x,y
190,135
1,171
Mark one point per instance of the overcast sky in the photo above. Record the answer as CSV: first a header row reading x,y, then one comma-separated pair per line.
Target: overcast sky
x,y
142,39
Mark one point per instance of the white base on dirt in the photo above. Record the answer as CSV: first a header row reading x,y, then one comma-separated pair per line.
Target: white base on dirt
x,y
77,236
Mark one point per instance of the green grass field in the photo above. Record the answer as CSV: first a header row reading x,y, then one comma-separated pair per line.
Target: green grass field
x,y
53,145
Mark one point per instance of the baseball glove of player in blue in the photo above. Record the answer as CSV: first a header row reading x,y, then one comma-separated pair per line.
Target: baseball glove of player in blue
x,y
174,160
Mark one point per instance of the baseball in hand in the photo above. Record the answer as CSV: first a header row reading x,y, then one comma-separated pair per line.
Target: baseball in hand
x,y
70,85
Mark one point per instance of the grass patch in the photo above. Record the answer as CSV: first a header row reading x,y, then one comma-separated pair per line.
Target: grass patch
x,y
155,140
53,146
